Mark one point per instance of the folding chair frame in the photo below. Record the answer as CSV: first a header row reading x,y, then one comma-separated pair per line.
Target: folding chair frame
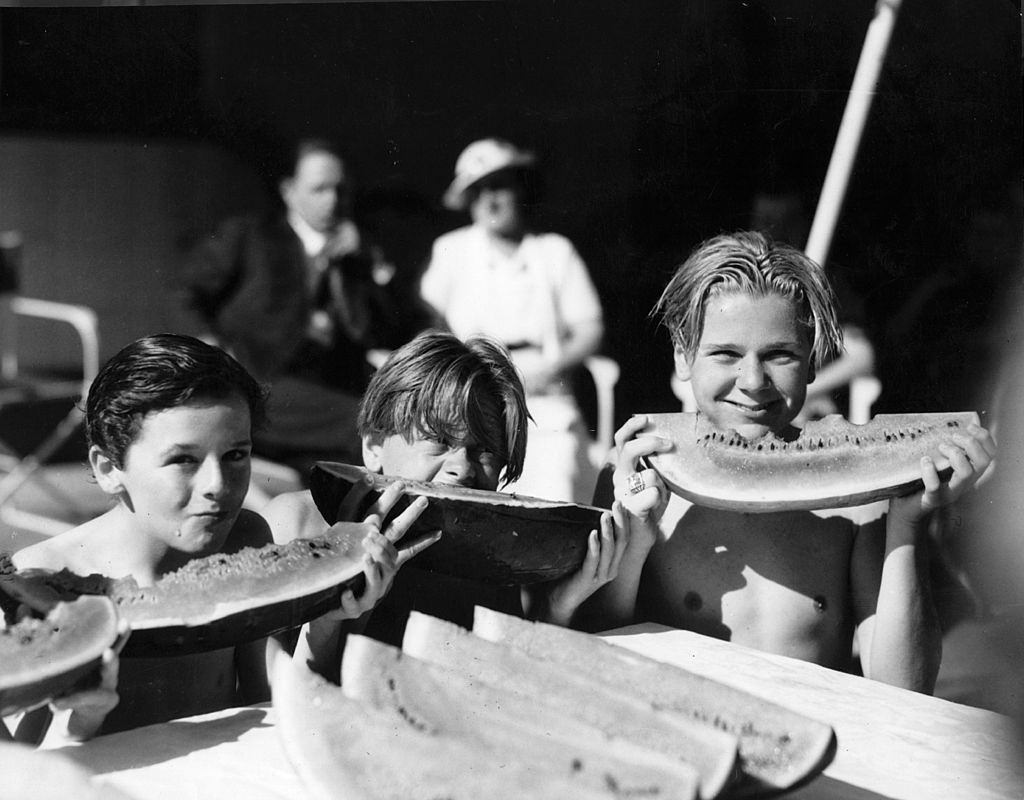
x,y
19,389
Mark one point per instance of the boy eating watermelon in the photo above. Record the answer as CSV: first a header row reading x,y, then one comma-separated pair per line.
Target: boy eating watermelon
x,y
169,422
750,320
443,410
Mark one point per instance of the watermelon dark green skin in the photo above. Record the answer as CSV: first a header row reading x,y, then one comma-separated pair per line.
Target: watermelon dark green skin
x,y
833,463
486,536
217,601
44,658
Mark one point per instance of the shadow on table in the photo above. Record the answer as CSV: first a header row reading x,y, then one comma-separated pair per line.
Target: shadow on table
x,y
153,744
826,788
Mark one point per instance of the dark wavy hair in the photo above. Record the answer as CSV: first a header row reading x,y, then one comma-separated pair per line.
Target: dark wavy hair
x,y
159,372
441,388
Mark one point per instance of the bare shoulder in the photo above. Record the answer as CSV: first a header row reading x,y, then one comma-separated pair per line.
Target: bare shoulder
x,y
73,549
48,554
294,515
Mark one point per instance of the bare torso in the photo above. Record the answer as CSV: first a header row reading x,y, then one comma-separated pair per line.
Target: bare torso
x,y
153,689
777,582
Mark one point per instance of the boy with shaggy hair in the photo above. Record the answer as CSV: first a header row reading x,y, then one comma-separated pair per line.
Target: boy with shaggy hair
x,y
450,411
750,320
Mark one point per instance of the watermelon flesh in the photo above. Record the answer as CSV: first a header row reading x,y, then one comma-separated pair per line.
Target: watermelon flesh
x,y
216,601
342,747
520,729
44,658
777,746
616,712
832,464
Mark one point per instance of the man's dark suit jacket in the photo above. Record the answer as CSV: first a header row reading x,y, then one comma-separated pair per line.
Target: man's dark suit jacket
x,y
246,286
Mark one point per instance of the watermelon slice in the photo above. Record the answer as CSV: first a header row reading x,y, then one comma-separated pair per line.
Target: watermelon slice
x,y
832,464
487,536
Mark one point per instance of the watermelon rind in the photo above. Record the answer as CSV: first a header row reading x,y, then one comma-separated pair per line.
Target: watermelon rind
x,y
494,537
832,464
41,659
220,600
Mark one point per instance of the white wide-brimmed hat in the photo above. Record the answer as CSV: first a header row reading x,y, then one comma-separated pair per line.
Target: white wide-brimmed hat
x,y
480,159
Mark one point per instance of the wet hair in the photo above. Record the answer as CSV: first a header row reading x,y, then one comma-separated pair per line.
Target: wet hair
x,y
442,388
752,263
156,373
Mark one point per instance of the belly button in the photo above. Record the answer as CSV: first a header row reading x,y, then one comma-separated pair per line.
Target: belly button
x,y
820,603
692,601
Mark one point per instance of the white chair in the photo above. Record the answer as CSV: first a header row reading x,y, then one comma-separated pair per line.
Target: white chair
x,y
605,374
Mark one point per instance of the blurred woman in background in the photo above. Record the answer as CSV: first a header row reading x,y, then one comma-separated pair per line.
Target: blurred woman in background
x,y
528,289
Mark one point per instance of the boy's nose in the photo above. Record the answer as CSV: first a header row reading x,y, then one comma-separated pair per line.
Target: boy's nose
x,y
211,478
751,374
458,466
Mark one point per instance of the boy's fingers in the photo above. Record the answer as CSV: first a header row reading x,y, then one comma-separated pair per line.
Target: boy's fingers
x,y
632,451
401,524
958,459
629,429
591,565
391,495
417,547
981,451
349,604
929,475
610,548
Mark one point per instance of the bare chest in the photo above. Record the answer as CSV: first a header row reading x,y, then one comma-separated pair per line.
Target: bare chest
x,y
778,582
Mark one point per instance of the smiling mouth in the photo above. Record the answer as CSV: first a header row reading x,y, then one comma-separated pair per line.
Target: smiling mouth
x,y
756,408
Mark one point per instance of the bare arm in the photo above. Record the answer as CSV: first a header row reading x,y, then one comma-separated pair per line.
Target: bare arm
x,y
320,641
558,602
901,640
639,512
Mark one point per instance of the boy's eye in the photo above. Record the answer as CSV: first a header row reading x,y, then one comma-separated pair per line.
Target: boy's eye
x,y
181,458
237,455
491,461
780,356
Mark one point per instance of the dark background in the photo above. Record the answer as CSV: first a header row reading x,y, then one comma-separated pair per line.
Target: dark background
x,y
657,123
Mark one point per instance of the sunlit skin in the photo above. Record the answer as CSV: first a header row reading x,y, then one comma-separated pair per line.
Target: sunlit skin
x,y
752,365
422,459
317,191
796,583
179,493
186,475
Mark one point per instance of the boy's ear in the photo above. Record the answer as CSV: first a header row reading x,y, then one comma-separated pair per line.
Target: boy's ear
x,y
108,476
682,365
372,446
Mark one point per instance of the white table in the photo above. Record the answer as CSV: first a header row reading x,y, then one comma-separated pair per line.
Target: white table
x,y
891,743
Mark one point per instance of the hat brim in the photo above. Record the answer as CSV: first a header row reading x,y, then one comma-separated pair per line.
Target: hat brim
x,y
455,196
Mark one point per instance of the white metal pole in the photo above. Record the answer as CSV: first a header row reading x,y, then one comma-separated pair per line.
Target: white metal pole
x,y
862,92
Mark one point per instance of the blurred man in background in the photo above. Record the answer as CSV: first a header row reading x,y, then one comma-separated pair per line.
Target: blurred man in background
x,y
304,302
